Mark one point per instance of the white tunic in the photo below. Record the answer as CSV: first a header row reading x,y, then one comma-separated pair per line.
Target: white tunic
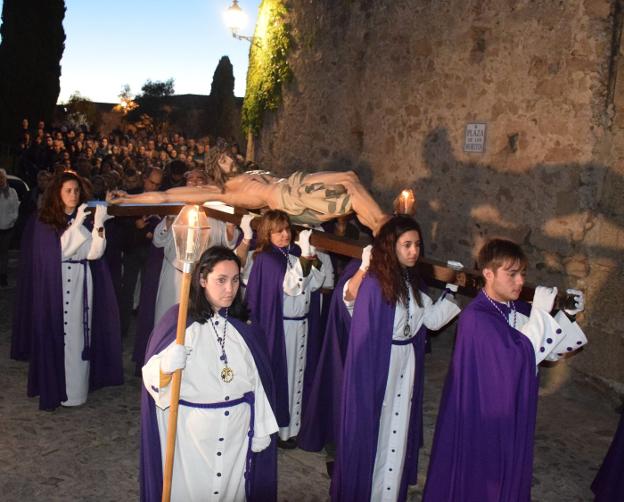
x,y
77,244
211,444
171,270
395,412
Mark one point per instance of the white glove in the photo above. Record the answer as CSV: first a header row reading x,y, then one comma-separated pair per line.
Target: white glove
x,y
579,301
366,257
453,288
245,226
260,443
101,216
544,298
174,358
81,215
303,241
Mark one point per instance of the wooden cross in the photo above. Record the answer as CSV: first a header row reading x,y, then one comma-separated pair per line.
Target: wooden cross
x,y
434,272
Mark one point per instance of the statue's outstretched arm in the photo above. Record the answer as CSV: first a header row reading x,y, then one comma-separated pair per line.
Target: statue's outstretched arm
x,y
189,195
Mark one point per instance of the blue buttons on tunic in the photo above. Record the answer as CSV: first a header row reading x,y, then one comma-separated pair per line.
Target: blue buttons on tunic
x,y
558,331
548,340
542,349
226,413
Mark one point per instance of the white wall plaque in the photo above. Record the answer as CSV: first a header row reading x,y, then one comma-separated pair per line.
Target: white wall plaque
x,y
474,138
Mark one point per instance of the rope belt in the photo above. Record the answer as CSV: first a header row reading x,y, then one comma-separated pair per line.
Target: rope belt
x,y
86,351
302,318
249,398
407,341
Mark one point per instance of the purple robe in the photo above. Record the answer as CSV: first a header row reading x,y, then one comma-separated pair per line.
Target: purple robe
x,y
42,278
264,464
483,444
364,386
150,276
320,422
609,483
264,296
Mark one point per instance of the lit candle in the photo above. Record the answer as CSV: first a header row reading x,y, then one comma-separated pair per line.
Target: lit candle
x,y
191,232
403,203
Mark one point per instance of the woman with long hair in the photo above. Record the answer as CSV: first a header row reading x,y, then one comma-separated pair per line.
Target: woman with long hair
x,y
71,320
225,417
381,419
282,278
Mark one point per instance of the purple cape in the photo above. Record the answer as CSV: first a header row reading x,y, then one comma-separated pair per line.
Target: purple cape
x,y
320,422
264,296
150,276
365,377
46,375
609,483
112,254
483,444
264,467
22,318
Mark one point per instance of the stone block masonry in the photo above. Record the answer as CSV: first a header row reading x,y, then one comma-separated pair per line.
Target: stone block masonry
x,y
387,88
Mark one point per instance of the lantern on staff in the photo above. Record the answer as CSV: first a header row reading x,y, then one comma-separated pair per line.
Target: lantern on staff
x,y
190,234
405,202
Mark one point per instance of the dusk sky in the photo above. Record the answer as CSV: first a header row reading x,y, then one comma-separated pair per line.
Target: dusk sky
x,y
118,42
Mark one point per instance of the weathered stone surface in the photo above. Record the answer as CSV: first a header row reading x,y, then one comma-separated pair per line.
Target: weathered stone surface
x,y
409,75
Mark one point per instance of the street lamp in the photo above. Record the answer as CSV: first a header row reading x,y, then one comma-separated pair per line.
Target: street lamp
x,y
236,19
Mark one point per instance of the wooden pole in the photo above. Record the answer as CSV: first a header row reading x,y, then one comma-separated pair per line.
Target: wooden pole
x,y
175,386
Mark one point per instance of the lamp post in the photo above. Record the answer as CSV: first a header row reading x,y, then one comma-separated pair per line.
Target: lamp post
x,y
190,234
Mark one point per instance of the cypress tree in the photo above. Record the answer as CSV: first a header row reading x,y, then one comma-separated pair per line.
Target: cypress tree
x,y
222,100
33,40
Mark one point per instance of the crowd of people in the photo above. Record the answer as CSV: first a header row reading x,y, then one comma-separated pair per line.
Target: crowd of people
x,y
286,345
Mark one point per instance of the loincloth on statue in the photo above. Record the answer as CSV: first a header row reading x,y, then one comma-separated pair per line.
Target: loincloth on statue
x,y
312,203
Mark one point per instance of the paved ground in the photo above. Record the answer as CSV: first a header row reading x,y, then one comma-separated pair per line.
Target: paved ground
x,y
91,452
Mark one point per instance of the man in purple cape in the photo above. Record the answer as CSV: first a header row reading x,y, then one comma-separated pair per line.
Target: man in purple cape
x,y
42,284
263,474
609,483
322,416
483,446
264,296
368,362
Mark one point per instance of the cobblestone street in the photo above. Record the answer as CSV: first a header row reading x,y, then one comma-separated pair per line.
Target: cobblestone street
x,y
91,452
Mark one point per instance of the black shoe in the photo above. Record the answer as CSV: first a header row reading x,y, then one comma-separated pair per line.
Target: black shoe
x,y
289,444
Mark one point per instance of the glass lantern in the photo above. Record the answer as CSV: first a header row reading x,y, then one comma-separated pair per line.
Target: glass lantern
x,y
190,234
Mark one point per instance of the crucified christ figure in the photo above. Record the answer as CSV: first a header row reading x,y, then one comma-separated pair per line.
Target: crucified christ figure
x,y
307,198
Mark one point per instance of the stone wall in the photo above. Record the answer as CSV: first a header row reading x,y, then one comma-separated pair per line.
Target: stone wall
x,y
387,88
